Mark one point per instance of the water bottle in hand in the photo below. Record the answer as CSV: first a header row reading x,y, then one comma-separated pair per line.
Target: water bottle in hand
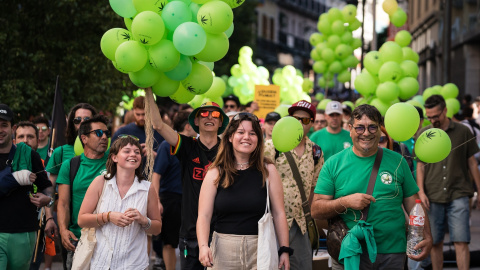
x,y
415,228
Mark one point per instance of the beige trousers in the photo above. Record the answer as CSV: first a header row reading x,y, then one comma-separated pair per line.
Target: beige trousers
x,y
234,252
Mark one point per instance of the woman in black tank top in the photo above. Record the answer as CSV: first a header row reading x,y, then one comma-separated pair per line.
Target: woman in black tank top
x,y
235,188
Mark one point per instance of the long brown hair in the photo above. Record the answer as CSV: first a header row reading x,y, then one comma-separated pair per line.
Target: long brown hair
x,y
389,139
225,160
114,149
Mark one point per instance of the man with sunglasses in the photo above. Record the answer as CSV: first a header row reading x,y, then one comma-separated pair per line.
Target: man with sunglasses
x,y
309,161
43,133
231,104
334,138
341,190
94,136
445,186
195,155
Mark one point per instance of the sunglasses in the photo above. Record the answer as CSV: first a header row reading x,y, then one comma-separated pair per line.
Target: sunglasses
x,y
304,120
245,115
383,139
320,122
205,114
44,128
230,106
123,136
78,120
100,132
361,129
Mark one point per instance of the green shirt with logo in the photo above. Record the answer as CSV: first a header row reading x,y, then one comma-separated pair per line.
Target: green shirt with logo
x,y
59,155
88,170
43,152
331,143
346,173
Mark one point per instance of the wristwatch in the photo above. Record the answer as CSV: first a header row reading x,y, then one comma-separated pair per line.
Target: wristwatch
x,y
284,249
50,204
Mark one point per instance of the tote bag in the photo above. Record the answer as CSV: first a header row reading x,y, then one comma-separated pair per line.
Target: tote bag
x,y
86,244
267,255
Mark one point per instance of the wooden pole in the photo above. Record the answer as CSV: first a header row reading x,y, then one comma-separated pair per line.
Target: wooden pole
x,y
38,234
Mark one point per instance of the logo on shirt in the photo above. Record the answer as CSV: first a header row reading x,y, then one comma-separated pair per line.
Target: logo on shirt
x,y
199,173
346,145
386,178
196,160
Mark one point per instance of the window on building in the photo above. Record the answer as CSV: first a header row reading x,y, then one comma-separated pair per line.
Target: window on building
x,y
419,9
272,29
264,27
426,5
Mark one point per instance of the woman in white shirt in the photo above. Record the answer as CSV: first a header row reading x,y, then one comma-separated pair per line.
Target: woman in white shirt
x,y
128,210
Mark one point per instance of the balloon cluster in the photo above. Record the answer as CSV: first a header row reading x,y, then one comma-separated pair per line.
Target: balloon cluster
x,y
333,46
293,87
397,16
170,45
245,75
213,94
449,92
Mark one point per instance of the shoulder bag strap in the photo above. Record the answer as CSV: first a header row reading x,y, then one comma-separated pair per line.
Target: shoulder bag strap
x,y
371,182
298,179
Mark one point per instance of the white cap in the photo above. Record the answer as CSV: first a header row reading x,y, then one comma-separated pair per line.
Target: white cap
x,y
334,107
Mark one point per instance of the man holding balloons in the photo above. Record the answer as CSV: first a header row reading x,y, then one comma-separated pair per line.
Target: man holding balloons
x,y
445,187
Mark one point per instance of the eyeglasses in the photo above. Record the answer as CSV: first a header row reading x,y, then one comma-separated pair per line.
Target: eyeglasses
x,y
78,120
43,128
230,106
434,117
304,120
100,132
205,114
361,129
383,139
244,115
320,122
123,136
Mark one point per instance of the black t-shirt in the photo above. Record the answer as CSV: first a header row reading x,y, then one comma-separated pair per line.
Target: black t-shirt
x,y
18,213
240,206
195,158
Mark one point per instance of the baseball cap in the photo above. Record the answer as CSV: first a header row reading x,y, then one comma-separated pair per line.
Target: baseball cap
x,y
304,106
206,105
6,113
232,98
334,107
272,116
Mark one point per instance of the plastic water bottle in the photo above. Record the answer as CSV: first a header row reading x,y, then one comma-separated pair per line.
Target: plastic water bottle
x,y
415,228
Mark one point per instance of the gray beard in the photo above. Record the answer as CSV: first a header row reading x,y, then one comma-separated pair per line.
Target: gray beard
x,y
366,149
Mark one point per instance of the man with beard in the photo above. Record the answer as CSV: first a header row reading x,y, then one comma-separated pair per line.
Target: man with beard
x,y
342,185
445,187
94,136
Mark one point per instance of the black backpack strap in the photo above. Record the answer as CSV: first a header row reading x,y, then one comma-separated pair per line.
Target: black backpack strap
x,y
277,154
317,153
74,165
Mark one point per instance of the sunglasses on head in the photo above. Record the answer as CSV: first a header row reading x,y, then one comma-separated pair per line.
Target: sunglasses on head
x,y
123,136
78,120
44,128
361,129
245,115
205,114
304,120
383,139
100,132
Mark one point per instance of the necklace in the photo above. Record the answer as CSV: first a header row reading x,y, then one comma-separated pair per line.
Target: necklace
x,y
242,164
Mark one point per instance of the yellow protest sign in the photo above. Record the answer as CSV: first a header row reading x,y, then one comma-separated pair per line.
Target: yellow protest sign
x,y
268,98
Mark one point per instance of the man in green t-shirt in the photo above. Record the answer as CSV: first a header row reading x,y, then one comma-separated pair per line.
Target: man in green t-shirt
x,y
43,134
334,138
343,182
94,137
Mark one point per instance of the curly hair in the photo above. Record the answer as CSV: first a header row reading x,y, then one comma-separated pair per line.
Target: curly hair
x,y
70,132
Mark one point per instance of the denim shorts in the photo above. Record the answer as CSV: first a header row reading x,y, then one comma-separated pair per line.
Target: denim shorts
x,y
456,214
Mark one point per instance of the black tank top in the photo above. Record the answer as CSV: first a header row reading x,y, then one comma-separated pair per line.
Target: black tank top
x,y
239,207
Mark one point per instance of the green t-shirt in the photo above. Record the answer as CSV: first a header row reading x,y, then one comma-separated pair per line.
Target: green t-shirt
x,y
346,173
59,155
88,170
43,152
331,143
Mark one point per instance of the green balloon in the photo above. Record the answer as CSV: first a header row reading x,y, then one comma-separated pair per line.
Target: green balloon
x,y
182,70
381,106
163,56
351,61
333,41
356,43
408,87
319,96
199,80
78,147
124,8
287,134
165,86
349,13
453,106
409,54
182,95
328,76
390,6
334,14
344,76
320,47
401,121
282,109
335,67
354,25
438,89
233,3
390,71
419,99
415,103
176,13
322,105
433,145
391,51
321,82
372,62
338,28
209,65
347,38
343,51
118,68
189,38
149,5
315,38
409,68
148,27
112,39
131,56
201,2
229,31
365,84
328,55
398,18
387,92
197,101
349,104
215,17
307,85
128,23
449,90
216,47
430,92
217,88
194,7
145,77
403,38
324,27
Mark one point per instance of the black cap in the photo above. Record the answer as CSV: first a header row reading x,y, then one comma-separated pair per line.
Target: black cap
x,y
6,113
272,116
233,98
